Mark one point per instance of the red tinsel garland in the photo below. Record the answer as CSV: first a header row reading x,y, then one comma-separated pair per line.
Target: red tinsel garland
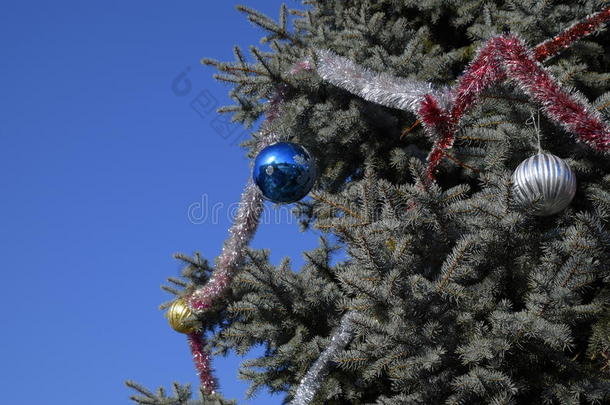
x,y
201,358
507,56
567,37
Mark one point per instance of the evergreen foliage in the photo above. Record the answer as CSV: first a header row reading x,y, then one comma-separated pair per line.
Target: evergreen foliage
x,y
461,296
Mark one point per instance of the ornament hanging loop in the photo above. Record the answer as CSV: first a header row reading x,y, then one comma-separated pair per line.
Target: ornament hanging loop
x,y
535,122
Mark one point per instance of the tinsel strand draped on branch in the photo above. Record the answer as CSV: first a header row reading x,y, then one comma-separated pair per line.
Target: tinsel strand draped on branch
x,y
502,57
578,30
498,59
381,88
201,358
242,231
312,380
240,234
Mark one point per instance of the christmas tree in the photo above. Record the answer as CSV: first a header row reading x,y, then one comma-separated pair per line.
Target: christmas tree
x,y
444,276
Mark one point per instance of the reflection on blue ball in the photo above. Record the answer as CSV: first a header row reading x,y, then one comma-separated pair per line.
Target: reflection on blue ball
x,y
284,172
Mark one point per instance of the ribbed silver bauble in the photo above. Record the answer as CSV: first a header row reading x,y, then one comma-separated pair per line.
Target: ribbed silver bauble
x,y
546,180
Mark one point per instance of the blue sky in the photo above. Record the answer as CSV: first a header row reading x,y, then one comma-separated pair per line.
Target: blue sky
x,y
101,159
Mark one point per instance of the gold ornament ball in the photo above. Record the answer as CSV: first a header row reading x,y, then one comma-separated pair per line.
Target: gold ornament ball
x,y
180,317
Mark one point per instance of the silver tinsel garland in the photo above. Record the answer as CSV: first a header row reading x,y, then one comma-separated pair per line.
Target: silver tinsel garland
x,y
377,87
312,380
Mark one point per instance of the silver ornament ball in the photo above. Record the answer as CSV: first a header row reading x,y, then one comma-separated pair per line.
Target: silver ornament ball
x,y
546,181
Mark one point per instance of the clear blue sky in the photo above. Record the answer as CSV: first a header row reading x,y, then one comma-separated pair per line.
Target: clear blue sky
x,y
100,161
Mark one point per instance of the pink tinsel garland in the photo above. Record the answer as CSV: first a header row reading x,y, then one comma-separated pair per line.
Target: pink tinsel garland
x,y
201,358
233,252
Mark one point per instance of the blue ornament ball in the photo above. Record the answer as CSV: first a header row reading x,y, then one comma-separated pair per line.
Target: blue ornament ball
x,y
284,172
